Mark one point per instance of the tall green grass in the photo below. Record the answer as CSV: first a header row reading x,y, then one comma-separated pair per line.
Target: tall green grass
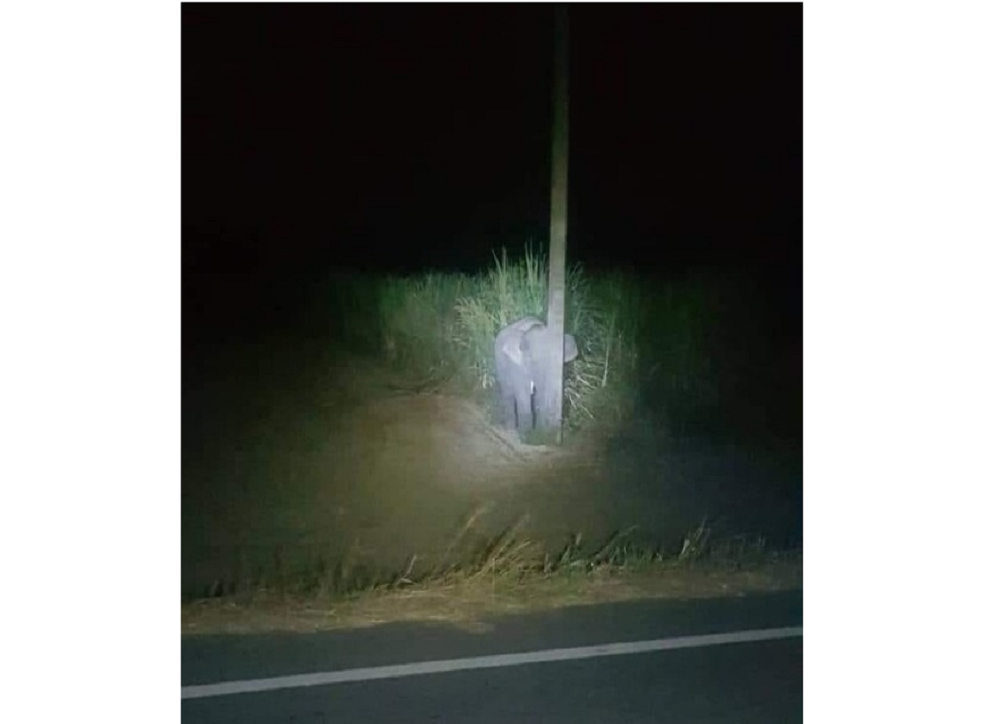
x,y
642,342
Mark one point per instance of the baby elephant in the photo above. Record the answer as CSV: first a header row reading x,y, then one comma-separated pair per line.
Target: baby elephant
x,y
522,352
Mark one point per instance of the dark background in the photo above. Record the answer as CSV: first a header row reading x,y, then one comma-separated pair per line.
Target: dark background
x,y
417,137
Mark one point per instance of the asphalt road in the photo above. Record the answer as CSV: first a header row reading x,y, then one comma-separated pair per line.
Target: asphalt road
x,y
741,681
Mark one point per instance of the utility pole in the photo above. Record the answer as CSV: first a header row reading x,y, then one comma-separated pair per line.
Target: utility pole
x,y
551,392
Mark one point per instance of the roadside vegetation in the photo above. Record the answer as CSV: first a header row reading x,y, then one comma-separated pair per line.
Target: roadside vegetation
x,y
691,358
478,579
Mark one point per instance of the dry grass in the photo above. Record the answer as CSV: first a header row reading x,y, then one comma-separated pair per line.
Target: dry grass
x,y
508,575
469,603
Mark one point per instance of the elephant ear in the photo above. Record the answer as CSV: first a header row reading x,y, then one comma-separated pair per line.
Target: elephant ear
x,y
519,351
570,352
513,348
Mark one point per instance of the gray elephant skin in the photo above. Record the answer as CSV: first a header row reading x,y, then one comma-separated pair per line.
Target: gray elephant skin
x,y
522,352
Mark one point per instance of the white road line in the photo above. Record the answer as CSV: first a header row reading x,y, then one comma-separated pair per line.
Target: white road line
x,y
482,662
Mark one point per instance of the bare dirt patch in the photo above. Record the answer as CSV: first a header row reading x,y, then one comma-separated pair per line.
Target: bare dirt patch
x,y
400,470
346,458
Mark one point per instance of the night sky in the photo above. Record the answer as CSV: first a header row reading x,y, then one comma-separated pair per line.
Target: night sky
x,y
324,136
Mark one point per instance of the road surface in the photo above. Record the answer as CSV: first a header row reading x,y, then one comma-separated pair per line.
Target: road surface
x,y
720,660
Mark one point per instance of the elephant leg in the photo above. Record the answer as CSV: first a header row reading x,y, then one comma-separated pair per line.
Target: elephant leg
x,y
525,418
